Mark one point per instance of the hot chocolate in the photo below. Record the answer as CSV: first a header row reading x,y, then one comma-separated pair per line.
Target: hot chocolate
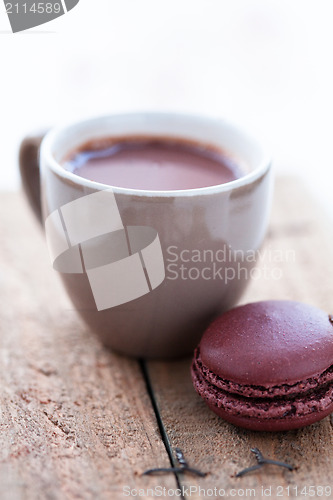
x,y
152,163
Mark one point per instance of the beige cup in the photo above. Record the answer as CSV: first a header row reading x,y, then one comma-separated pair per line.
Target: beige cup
x,y
148,270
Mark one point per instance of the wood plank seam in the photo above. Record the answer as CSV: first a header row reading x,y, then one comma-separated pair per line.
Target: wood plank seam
x,y
159,421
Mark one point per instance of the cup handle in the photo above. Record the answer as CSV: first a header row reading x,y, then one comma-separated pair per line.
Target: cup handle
x,y
29,170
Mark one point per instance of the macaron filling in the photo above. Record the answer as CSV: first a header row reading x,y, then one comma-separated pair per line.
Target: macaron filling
x,y
312,395
263,391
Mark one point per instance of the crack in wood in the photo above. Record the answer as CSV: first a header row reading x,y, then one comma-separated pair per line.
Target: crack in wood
x,y
159,420
58,424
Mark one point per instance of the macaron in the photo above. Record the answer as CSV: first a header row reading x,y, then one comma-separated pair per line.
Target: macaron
x,y
267,366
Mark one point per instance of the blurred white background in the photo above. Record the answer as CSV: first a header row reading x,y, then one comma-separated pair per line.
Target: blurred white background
x,y
264,64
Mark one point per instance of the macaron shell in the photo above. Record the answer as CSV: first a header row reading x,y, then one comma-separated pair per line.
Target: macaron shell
x,y
269,343
270,425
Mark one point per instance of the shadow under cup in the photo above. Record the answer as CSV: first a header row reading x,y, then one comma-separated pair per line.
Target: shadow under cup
x,y
148,270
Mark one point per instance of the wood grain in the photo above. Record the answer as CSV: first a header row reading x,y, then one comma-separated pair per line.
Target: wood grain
x,y
302,233
76,420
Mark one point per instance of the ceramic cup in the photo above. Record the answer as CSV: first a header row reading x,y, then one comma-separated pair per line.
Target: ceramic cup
x,y
148,270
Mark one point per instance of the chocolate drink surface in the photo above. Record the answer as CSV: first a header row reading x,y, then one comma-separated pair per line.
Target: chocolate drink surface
x,y
152,163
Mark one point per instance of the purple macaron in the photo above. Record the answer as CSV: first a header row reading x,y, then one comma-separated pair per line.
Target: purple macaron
x,y
267,366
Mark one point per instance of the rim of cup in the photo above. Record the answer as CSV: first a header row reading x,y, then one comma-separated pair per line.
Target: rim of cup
x,y
54,136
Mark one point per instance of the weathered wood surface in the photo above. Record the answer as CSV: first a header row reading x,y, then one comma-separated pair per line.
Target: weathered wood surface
x,y
299,229
76,421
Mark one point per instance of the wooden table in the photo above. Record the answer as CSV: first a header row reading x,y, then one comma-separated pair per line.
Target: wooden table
x,y
80,422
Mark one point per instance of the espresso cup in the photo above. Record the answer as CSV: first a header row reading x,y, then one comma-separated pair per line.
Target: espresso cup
x,y
148,270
